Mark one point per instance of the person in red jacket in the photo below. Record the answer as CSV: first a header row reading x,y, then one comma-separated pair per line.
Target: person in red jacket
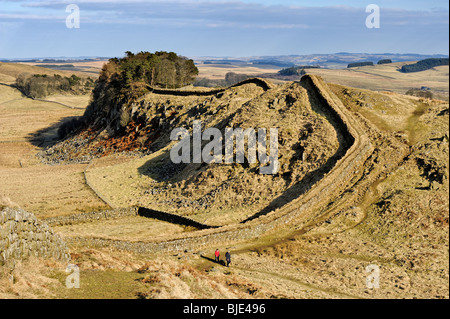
x,y
217,255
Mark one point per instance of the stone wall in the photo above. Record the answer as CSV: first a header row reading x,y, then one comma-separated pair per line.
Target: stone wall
x,y
264,84
22,235
300,212
91,216
121,213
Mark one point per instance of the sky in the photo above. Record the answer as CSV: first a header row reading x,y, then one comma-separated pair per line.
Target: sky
x,y
232,28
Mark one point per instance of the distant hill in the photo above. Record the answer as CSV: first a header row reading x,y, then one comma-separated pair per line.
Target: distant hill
x,y
330,60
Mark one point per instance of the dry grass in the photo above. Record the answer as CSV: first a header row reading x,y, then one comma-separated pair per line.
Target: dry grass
x,y
20,117
30,279
14,69
386,78
77,101
49,191
218,73
129,228
43,190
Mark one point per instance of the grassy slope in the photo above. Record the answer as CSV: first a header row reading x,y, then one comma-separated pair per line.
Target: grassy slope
x,y
12,70
41,189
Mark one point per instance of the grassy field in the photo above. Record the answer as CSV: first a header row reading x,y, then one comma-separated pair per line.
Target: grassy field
x,y
218,72
12,70
386,77
27,183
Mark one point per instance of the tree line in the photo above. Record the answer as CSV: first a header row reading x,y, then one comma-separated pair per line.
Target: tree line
x,y
385,61
356,64
423,65
42,85
297,70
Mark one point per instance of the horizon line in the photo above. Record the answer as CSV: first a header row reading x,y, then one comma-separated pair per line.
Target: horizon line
x,y
218,56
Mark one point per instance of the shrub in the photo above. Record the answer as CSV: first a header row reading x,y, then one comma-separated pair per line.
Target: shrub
x,y
385,61
356,64
420,93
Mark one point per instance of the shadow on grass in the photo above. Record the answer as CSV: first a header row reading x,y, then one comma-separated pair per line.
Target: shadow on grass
x,y
221,262
48,136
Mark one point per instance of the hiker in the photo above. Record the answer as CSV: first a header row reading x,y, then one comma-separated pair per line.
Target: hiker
x,y
228,258
217,255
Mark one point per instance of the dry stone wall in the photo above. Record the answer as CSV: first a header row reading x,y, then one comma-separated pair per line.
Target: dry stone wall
x,y
22,235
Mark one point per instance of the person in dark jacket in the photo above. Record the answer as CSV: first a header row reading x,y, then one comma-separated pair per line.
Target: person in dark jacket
x,y
228,258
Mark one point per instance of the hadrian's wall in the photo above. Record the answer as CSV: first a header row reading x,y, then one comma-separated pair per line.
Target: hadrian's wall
x,y
357,148
22,235
264,84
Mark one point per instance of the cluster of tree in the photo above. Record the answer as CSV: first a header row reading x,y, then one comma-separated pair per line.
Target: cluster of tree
x,y
232,78
424,65
385,61
356,64
159,69
420,93
122,80
42,85
297,70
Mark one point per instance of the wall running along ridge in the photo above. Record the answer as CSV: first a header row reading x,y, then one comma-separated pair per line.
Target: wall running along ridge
x,y
265,85
301,211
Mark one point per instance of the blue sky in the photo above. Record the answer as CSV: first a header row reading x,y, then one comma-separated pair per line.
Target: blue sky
x,y
31,28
